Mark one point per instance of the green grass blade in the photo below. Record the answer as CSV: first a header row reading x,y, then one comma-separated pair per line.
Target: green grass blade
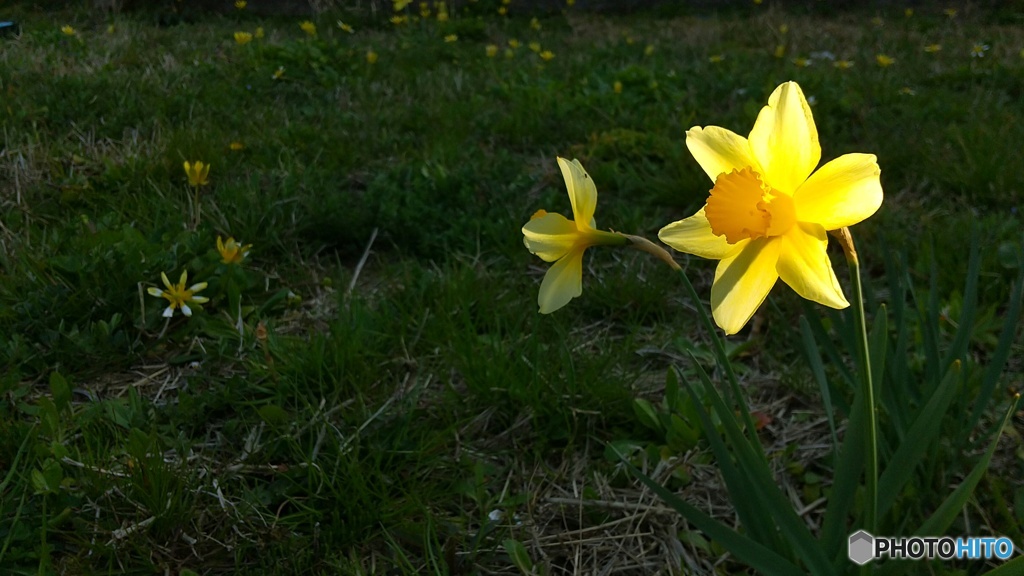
x,y
914,448
958,349
848,471
1014,567
755,555
997,362
769,495
818,370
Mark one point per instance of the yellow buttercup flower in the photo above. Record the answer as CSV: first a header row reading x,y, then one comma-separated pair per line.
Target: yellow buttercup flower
x,y
371,57
243,38
491,50
308,27
232,252
178,296
513,43
534,23
546,55
884,61
400,5
451,38
769,210
557,239
502,11
197,173
396,20
68,30
241,4
534,46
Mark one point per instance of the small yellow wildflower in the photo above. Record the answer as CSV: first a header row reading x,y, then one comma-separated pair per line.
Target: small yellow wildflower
x,y
178,296
784,29
308,27
241,4
649,50
396,20
110,29
513,43
232,252
345,27
801,62
492,50
534,23
400,5
884,61
978,50
716,58
236,146
547,55
68,30
502,11
951,12
843,64
780,50
534,46
424,10
259,32
617,87
442,16
371,57
243,38
278,73
198,173
933,48
451,38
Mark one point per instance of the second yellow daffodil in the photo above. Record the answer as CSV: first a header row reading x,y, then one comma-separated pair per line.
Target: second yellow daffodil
x,y
557,239
769,210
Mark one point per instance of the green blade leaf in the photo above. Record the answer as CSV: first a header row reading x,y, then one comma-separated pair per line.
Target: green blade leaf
x,y
818,370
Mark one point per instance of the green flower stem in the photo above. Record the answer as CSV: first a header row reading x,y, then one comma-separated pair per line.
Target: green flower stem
x,y
868,390
723,361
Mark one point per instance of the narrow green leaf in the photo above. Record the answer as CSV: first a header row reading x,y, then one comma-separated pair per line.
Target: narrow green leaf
x,y
922,434
1001,354
758,557
768,493
818,370
517,552
847,475
835,356
1014,567
61,391
965,327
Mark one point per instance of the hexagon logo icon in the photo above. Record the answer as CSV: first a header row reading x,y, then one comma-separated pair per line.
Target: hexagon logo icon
x,y
861,547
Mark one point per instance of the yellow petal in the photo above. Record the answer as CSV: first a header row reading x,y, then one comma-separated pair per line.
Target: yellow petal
x,y
693,235
742,282
188,168
841,193
167,282
155,291
550,236
804,265
582,192
784,139
563,282
718,150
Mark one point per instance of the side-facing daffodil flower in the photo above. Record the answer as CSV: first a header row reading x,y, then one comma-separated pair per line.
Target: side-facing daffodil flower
x,y
769,210
178,295
232,252
197,173
557,239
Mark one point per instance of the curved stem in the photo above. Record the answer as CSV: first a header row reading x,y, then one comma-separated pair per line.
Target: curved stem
x,y
867,389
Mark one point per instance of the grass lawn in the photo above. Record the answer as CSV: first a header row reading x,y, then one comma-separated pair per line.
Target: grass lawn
x,y
371,390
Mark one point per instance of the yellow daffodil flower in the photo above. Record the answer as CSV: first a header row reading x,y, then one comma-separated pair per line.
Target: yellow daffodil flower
x,y
769,210
557,239
197,173
547,55
232,252
308,27
178,295
884,61
243,38
68,30
491,50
